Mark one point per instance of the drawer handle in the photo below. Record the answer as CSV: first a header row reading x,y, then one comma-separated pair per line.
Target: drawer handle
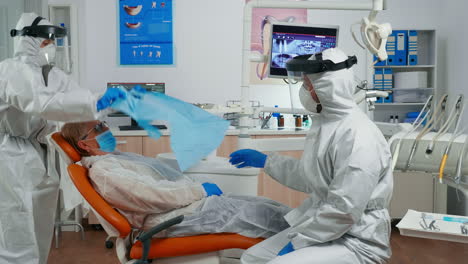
x,y
121,142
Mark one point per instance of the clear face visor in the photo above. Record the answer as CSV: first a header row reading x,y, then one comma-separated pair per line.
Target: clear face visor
x,y
40,31
58,56
301,66
295,82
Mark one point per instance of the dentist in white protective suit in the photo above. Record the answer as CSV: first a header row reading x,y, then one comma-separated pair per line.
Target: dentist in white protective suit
x,y
345,167
32,91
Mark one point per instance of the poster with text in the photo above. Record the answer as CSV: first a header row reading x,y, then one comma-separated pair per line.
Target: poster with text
x,y
146,34
260,37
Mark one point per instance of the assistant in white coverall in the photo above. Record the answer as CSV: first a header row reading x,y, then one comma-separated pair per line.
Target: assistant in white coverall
x,y
32,92
346,169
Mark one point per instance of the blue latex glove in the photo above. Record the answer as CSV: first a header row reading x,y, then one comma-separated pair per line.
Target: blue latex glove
x,y
109,97
287,249
248,158
212,189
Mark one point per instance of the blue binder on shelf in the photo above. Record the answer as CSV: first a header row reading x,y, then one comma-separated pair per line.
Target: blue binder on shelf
x,y
401,48
378,83
388,84
391,48
412,47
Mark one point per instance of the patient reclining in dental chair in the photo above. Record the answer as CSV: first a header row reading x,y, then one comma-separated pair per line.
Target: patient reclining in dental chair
x,y
148,192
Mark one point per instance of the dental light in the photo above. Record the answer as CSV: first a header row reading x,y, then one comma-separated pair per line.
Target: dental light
x,y
374,36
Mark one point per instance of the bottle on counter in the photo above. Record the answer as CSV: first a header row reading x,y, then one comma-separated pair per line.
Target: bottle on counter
x,y
298,121
281,121
396,121
273,123
59,41
305,121
392,119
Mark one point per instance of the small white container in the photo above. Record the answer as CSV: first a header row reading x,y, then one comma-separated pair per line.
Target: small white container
x,y
273,123
417,95
408,80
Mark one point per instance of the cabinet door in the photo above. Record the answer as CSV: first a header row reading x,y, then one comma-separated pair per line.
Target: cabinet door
x,y
228,145
151,147
130,144
411,191
270,188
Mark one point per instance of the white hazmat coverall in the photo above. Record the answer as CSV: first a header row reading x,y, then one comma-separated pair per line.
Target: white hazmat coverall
x,y
346,169
29,188
148,192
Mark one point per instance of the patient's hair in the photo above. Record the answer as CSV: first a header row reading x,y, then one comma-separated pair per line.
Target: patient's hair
x,y
72,132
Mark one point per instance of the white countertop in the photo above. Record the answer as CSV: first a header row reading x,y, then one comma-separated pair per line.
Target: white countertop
x,y
229,132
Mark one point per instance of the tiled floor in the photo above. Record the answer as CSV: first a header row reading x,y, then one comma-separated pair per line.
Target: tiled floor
x,y
406,250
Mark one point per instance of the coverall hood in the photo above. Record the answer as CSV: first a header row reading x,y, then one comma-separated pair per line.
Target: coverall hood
x,y
26,46
335,89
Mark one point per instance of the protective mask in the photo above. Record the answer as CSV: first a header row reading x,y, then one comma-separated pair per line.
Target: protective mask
x,y
308,102
47,54
106,141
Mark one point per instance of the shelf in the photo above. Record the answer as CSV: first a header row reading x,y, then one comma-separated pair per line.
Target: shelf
x,y
399,104
405,66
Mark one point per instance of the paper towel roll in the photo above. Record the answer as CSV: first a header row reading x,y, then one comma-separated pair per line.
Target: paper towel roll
x,y
417,79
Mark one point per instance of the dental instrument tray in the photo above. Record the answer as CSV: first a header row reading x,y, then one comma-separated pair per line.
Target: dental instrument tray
x,y
434,226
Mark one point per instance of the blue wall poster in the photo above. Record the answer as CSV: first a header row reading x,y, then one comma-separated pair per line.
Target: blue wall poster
x,y
146,35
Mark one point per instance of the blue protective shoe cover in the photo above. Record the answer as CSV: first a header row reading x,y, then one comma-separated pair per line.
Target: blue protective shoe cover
x,y
195,133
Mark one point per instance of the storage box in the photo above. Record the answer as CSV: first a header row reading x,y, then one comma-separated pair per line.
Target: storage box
x,y
417,95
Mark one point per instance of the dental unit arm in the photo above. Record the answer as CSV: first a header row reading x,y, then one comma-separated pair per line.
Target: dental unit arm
x,y
456,163
447,160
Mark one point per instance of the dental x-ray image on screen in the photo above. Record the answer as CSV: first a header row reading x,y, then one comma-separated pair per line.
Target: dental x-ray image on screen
x,y
290,40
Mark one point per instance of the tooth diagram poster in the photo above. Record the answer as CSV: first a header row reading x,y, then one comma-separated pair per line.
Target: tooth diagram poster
x,y
146,33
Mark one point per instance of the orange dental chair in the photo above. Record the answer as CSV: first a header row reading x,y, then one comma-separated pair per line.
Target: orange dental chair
x,y
144,247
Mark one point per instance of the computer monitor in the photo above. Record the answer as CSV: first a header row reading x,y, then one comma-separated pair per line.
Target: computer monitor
x,y
290,40
152,87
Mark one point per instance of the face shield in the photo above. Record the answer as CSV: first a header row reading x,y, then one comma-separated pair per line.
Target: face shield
x,y
300,86
40,31
47,32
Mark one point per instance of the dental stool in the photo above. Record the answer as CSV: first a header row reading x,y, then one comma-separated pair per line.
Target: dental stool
x,y
201,249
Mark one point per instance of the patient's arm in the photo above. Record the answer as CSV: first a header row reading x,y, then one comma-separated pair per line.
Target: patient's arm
x,y
127,188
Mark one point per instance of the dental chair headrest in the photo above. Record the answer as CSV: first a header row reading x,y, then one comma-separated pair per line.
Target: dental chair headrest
x,y
67,152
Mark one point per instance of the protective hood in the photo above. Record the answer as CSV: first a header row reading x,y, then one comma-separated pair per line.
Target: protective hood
x,y
25,46
335,89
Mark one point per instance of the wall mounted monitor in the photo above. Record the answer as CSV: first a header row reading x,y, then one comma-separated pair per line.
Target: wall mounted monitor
x,y
151,87
290,40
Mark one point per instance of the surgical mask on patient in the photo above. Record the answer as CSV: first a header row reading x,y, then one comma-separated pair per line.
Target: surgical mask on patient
x,y
106,141
308,102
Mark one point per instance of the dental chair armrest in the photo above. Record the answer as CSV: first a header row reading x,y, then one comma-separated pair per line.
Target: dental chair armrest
x,y
145,238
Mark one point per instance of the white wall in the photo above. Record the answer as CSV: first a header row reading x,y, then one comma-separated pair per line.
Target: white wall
x,y
208,41
453,58
207,50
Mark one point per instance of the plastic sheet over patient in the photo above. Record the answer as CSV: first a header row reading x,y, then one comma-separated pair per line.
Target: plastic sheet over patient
x,y
195,133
